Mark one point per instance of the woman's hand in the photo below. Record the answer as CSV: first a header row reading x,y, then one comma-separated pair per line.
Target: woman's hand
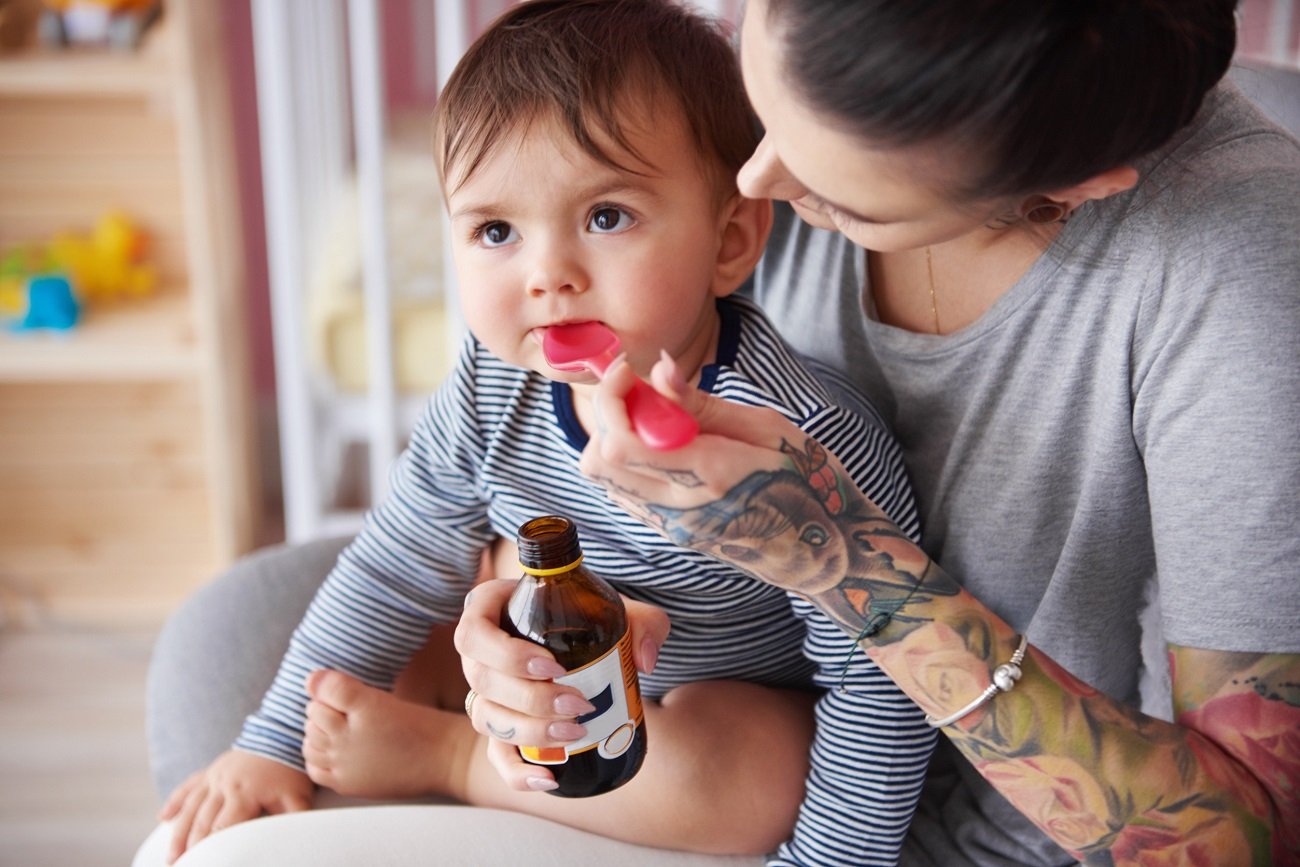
x,y
734,441
517,702
753,490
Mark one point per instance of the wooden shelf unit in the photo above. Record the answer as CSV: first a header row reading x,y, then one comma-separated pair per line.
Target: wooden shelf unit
x,y
39,71
127,470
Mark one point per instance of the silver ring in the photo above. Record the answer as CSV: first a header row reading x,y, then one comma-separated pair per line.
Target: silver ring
x,y
469,703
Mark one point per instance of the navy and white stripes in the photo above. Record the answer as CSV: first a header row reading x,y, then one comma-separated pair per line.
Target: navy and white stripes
x,y
497,446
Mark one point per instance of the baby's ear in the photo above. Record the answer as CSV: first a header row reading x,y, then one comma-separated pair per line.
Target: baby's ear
x,y
745,224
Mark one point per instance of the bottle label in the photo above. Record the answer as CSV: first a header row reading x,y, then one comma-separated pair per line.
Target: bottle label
x,y
609,683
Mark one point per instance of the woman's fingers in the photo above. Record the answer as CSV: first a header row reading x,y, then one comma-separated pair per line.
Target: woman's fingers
x,y
735,441
517,773
649,625
510,672
480,639
551,729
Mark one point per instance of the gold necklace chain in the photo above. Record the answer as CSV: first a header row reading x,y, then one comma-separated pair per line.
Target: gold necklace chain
x,y
934,302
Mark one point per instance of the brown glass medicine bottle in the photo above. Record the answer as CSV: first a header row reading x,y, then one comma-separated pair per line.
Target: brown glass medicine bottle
x,y
580,619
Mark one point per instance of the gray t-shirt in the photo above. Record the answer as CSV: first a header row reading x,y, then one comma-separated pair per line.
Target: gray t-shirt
x,y
1128,413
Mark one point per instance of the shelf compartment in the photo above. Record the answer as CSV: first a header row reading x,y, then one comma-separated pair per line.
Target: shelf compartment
x,y
38,70
143,340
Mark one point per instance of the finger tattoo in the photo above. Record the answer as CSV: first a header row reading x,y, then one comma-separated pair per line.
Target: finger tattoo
x,y
500,734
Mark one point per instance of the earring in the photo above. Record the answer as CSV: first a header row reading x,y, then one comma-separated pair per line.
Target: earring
x,y
1041,209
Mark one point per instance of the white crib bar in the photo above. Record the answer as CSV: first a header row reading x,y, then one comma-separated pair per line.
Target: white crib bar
x,y
368,130
1279,49
273,38
452,28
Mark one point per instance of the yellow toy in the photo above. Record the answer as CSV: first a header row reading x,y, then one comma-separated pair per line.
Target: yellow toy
x,y
110,264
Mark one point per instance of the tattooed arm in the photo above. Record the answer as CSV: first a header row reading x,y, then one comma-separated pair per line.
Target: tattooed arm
x,y
1221,785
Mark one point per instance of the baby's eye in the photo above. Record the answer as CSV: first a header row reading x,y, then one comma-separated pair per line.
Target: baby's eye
x,y
608,218
497,233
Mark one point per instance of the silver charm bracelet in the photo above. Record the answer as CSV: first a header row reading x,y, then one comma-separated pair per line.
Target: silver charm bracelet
x,y
1004,680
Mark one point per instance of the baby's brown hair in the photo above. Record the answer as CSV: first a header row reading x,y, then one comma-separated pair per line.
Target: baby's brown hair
x,y
585,64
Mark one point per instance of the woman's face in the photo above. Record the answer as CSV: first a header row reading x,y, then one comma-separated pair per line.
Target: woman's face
x,y
881,199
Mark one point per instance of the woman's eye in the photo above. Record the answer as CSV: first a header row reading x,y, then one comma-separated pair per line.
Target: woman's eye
x,y
609,219
842,219
496,234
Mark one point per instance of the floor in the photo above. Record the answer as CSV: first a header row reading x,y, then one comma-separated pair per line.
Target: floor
x,y
74,781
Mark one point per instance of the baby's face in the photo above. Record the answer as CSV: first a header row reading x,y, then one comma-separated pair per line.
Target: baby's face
x,y
543,234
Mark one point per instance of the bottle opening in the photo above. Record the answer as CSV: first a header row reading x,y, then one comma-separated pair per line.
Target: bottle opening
x,y
548,543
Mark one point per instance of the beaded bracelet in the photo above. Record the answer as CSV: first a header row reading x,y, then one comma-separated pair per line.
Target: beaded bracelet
x,y
1004,680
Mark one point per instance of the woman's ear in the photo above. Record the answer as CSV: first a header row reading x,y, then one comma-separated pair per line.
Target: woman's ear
x,y
1100,186
745,224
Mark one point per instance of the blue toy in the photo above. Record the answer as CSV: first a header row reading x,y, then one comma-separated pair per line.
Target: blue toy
x,y
50,304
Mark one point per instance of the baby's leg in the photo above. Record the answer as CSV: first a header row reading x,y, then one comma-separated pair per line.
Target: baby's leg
x,y
724,772
369,743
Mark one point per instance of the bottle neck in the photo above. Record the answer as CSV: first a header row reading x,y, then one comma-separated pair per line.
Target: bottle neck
x,y
547,572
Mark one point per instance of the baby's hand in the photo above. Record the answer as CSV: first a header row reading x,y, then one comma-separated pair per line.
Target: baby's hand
x,y
236,787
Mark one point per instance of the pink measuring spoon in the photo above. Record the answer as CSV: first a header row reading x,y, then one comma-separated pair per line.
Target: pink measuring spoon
x,y
660,423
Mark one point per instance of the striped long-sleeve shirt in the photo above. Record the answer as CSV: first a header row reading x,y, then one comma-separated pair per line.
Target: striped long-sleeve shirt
x,y
499,445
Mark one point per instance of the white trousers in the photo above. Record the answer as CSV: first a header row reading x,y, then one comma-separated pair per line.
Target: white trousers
x,y
414,836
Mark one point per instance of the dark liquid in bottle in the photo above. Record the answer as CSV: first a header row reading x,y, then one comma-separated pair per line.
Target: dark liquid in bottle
x,y
580,619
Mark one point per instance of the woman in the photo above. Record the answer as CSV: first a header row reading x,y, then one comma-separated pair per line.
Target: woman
x,y
1079,268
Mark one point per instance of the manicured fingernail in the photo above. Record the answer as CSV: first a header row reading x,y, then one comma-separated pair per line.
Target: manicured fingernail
x,y
542,784
540,666
649,655
565,731
573,705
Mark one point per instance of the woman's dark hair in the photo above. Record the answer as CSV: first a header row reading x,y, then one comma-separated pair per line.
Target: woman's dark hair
x,y
587,63
1043,93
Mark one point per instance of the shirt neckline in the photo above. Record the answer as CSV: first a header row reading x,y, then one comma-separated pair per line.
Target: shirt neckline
x,y
1038,276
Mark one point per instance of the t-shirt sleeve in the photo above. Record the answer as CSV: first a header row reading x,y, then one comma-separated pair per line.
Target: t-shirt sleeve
x,y
1216,414
410,566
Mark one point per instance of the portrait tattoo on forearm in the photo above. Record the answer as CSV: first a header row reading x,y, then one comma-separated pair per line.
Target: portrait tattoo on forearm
x,y
810,530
